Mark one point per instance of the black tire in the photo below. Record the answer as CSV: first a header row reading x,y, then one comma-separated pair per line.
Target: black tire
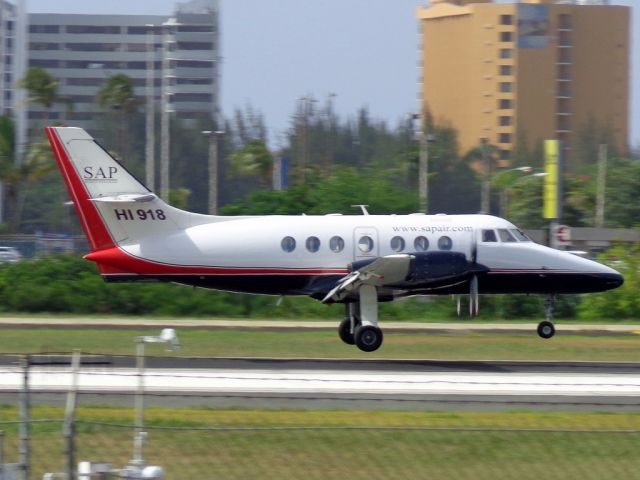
x,y
368,338
546,329
344,331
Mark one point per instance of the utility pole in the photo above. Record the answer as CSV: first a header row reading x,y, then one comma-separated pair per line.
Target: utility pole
x,y
602,185
150,151
70,417
423,170
485,206
213,136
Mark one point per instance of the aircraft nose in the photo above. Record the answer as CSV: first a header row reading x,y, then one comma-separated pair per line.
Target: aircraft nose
x,y
610,278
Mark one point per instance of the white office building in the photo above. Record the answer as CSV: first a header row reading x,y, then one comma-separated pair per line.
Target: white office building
x,y
171,59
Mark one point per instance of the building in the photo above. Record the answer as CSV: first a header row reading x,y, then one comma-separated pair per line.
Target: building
x,y
523,72
173,60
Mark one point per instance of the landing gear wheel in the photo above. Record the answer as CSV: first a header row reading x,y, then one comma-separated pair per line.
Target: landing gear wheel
x,y
344,330
546,329
368,338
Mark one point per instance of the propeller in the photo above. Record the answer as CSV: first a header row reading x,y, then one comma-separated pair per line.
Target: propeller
x,y
474,298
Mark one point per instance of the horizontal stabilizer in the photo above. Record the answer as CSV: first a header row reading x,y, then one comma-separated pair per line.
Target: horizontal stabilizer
x,y
127,198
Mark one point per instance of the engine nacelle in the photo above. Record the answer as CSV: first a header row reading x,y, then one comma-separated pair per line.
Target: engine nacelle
x,y
434,266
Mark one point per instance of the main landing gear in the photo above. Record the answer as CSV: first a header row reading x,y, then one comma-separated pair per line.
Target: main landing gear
x,y
360,324
546,329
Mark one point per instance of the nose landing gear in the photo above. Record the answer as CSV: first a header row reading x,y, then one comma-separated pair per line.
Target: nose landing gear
x,y
546,329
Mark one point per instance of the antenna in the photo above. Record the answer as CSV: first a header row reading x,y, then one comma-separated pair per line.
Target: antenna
x,y
363,208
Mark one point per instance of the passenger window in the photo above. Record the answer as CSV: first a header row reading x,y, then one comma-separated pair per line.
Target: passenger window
x,y
397,244
489,236
288,244
421,244
445,243
505,236
365,244
313,244
336,244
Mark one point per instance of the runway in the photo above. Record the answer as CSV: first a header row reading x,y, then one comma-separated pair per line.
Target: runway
x,y
338,384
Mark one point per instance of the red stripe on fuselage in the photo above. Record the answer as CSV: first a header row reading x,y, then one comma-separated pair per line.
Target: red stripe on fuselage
x,y
115,260
92,223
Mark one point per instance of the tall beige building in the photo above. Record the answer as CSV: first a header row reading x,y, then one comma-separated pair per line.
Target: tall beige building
x,y
523,72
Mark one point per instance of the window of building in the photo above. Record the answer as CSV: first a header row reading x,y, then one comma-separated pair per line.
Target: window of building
x,y
506,19
195,46
93,29
397,244
504,121
505,154
506,36
288,244
196,28
192,97
44,29
506,87
93,47
505,104
194,81
44,46
85,82
505,70
506,53
44,63
365,244
421,244
564,21
191,63
336,244
504,138
445,243
312,244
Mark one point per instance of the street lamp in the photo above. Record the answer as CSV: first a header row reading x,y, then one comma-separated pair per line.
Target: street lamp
x,y
508,189
213,169
169,337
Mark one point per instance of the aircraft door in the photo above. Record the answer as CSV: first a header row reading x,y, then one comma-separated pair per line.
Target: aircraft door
x,y
365,243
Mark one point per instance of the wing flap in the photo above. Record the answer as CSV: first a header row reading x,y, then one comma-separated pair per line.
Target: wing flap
x,y
382,271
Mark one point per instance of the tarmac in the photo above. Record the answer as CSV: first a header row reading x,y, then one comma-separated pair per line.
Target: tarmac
x,y
462,327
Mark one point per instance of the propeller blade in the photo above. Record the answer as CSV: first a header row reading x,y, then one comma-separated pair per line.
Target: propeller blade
x,y
474,301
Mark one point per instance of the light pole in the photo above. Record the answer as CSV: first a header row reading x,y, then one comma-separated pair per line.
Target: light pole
x,y
165,131
168,336
485,201
213,169
150,150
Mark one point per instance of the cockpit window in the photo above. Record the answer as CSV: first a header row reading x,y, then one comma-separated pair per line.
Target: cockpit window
x,y
505,235
520,235
489,236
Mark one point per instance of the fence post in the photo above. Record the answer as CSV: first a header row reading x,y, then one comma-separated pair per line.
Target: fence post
x,y
25,414
70,417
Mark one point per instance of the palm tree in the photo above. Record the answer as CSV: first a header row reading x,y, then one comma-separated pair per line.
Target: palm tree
x,y
118,101
42,88
16,177
254,159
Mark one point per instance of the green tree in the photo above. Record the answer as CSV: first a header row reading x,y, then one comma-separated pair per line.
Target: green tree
x,y
254,159
17,176
41,86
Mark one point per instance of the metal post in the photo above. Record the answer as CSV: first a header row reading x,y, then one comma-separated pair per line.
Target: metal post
x,y
138,458
213,169
150,153
164,120
25,408
485,206
602,185
423,171
70,417
1,455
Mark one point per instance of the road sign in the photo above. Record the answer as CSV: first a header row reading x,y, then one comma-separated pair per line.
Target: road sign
x,y
562,235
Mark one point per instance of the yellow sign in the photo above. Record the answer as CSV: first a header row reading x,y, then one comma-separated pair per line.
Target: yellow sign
x,y
552,167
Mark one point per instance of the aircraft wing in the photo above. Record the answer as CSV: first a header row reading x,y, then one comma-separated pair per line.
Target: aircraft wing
x,y
382,271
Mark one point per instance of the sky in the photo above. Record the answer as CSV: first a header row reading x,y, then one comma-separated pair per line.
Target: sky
x,y
365,52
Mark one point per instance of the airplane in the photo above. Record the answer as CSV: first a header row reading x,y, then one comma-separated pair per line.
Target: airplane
x,y
357,260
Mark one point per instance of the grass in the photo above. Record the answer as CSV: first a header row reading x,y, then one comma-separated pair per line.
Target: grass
x,y
321,344
292,444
